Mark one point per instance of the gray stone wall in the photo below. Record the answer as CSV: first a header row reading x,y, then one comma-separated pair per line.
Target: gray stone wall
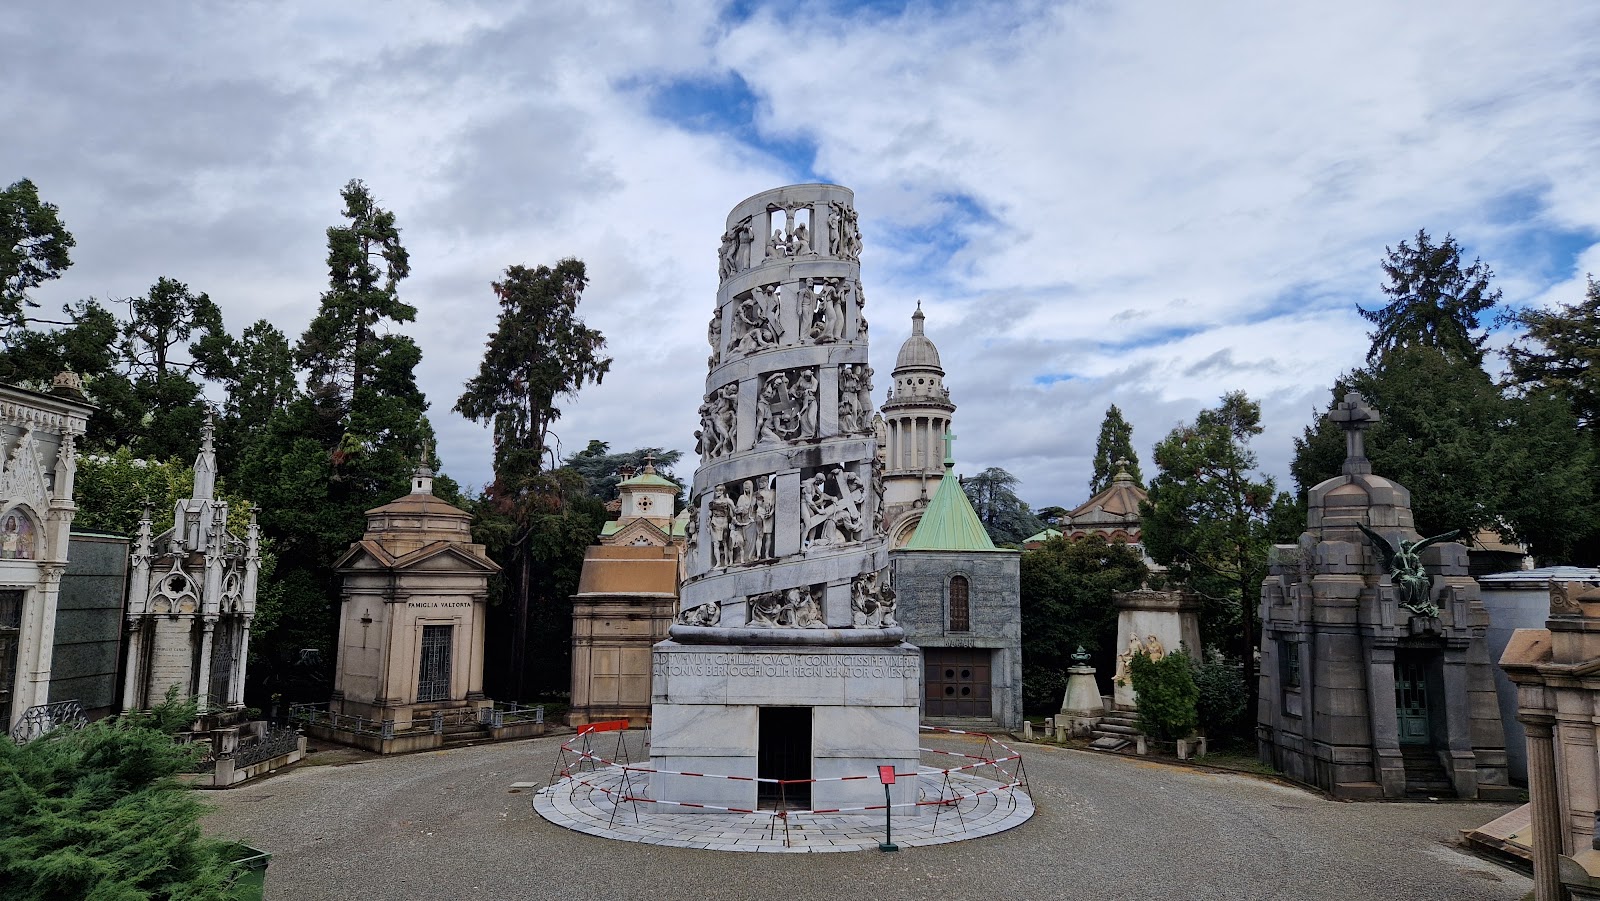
x,y
88,635
995,613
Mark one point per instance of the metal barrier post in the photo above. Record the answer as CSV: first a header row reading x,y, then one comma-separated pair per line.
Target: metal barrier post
x,y
886,776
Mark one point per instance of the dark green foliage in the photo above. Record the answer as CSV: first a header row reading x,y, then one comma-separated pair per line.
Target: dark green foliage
x,y
1211,518
169,321
98,813
1561,353
1005,516
1115,443
602,470
34,248
1433,301
260,385
540,351
1066,602
1168,697
85,343
1052,515
1223,702
536,521
112,490
1471,457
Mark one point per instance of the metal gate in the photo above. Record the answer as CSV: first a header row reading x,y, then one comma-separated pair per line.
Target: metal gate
x,y
1411,699
956,681
433,676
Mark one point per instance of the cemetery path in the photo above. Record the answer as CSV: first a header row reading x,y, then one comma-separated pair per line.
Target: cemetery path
x,y
447,824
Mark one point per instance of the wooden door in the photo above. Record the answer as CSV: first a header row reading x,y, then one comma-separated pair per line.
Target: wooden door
x,y
956,682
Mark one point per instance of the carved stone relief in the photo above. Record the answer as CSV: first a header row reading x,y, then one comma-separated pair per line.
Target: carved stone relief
x,y
757,324
855,399
714,335
734,254
741,522
719,423
786,408
832,508
707,614
23,476
794,608
791,239
844,234
691,538
823,309
872,602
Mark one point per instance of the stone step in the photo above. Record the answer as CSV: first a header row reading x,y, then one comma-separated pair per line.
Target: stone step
x,y
1115,729
1131,722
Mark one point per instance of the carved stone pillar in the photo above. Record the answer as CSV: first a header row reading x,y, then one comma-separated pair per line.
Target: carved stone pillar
x,y
1542,789
203,686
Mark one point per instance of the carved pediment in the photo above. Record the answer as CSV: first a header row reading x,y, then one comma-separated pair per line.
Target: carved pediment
x,y
639,533
23,477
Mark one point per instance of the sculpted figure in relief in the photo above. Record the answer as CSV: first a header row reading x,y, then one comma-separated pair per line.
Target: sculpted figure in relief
x,y
1153,647
714,335
849,390
871,606
740,537
707,614
766,509
721,512
728,254
1125,659
805,394
691,538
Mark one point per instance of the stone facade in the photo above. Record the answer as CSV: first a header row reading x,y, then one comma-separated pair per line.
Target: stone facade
x,y
786,661
411,617
1157,623
980,653
192,599
38,436
909,427
1359,695
1555,670
627,596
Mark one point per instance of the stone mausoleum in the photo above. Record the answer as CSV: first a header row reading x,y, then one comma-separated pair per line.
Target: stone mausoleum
x,y
787,660
960,600
1375,677
627,595
192,599
38,436
411,625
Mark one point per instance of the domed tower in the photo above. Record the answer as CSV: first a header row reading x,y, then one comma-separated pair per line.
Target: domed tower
x,y
915,418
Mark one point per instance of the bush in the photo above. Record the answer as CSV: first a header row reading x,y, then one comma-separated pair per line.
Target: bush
x,y
1167,695
1223,699
98,813
1042,690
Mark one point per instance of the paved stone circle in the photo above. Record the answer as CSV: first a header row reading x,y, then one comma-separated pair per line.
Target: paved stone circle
x,y
585,803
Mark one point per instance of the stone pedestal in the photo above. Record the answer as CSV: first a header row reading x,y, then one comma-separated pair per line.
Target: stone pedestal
x,y
1158,623
707,702
1081,706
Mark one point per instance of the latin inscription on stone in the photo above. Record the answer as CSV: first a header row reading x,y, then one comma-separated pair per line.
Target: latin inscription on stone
x,y
804,666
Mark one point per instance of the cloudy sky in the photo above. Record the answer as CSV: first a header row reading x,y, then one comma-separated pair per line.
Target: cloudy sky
x,y
1141,203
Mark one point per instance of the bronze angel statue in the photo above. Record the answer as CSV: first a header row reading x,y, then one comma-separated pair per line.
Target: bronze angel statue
x,y
1412,584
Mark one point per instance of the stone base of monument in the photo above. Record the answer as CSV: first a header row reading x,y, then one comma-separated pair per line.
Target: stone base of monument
x,y
776,712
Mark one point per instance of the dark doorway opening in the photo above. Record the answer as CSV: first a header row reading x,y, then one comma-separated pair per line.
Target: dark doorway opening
x,y
1420,714
783,751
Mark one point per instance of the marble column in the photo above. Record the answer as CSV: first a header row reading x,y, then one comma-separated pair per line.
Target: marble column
x,y
1542,789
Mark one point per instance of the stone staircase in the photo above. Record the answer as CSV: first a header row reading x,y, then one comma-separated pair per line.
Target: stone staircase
x,y
1426,777
1116,731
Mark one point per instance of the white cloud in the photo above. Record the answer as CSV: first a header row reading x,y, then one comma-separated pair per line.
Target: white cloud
x,y
1176,200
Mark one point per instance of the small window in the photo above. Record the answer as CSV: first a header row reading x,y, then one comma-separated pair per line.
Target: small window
x,y
1289,663
960,611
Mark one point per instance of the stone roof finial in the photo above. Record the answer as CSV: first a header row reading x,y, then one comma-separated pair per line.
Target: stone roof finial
x,y
916,320
1355,416
422,476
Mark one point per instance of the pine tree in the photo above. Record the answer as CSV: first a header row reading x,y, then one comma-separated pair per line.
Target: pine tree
x,y
1433,301
1114,445
34,248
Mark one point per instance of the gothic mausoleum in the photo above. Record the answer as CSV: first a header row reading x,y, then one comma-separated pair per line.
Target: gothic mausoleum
x,y
1375,678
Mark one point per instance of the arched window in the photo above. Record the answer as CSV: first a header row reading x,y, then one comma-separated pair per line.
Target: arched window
x,y
960,612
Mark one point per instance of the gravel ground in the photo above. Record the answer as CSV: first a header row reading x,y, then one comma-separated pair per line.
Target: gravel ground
x,y
447,824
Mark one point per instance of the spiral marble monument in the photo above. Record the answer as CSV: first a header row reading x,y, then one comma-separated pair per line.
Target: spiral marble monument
x,y
786,661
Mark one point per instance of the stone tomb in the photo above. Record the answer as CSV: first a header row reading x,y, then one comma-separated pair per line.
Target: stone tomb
x,y
787,661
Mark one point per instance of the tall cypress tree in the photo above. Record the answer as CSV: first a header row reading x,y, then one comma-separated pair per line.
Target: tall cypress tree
x,y
1114,444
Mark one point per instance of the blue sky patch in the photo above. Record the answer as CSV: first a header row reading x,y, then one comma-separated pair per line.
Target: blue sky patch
x,y
727,106
1050,378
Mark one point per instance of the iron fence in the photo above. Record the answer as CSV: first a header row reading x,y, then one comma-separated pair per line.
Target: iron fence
x,y
276,743
320,715
505,713
36,721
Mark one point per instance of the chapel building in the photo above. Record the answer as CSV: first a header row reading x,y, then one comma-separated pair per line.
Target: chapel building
x,y
910,426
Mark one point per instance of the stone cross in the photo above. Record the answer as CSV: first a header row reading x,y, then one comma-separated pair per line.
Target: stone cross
x,y
949,456
1355,416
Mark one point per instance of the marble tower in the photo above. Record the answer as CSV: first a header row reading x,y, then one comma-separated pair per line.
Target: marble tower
x,y
786,660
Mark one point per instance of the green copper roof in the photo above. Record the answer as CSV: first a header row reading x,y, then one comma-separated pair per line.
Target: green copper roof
x,y
1042,537
950,523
